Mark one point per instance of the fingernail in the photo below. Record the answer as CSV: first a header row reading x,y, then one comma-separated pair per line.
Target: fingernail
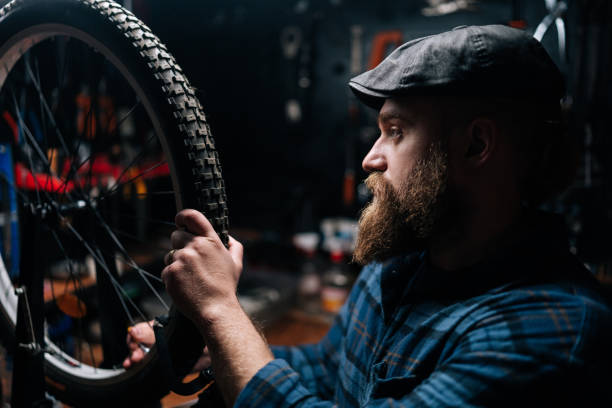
x,y
130,329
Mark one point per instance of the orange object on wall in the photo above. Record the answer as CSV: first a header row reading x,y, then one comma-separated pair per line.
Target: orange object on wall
x,y
348,188
381,42
87,121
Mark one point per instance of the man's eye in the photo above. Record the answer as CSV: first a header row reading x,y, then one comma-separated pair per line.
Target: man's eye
x,y
395,131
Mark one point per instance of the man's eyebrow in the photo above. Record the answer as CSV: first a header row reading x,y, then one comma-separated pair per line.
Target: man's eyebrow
x,y
387,116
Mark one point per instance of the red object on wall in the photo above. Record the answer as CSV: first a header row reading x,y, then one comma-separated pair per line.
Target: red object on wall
x,y
381,42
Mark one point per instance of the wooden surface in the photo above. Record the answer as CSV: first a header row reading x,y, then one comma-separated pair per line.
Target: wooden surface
x,y
297,327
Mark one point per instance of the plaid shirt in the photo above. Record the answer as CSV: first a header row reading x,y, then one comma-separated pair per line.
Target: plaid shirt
x,y
525,328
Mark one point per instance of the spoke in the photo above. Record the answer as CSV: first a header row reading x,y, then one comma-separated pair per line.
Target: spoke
x,y
149,274
127,115
77,283
44,124
33,144
46,106
118,186
136,239
93,359
49,114
132,162
107,114
129,262
128,258
151,220
100,260
62,69
31,165
50,172
116,286
73,171
43,100
150,193
27,134
43,119
88,123
78,287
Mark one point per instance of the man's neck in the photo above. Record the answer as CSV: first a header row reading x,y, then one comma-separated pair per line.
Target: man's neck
x,y
474,239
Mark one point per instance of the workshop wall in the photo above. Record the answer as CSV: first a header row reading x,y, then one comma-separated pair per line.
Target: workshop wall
x,y
272,78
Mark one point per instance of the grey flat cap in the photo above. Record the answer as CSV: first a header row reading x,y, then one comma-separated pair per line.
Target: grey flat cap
x,y
493,60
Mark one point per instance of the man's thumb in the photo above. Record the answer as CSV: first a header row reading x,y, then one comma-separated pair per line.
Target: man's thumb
x,y
236,251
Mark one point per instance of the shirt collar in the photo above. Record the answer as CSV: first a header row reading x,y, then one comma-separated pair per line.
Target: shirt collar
x,y
540,240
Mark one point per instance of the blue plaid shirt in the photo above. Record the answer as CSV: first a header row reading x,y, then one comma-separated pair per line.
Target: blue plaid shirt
x,y
527,327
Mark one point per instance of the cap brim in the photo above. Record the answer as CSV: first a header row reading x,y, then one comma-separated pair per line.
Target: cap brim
x,y
374,99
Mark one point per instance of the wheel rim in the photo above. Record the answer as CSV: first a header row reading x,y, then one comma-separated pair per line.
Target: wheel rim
x,y
13,55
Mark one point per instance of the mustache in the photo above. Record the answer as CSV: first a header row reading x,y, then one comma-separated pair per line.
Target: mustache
x,y
376,184
372,180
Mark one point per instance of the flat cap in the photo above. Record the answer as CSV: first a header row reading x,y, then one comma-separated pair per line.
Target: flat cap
x,y
492,60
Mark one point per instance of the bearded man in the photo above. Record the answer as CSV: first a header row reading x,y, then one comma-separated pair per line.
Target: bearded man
x,y
469,296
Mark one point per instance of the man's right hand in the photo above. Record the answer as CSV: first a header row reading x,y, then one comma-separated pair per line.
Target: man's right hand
x,y
139,335
143,334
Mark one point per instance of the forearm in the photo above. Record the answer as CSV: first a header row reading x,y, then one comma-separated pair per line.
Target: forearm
x,y
237,349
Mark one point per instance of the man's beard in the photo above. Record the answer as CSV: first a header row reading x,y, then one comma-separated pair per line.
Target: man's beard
x,y
402,221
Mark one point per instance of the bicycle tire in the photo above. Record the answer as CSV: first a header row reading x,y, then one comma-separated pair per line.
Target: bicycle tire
x,y
185,137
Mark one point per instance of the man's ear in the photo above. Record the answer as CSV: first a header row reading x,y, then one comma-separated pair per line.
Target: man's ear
x,y
482,134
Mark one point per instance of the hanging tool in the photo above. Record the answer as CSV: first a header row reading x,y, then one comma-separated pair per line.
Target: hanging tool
x,y
556,10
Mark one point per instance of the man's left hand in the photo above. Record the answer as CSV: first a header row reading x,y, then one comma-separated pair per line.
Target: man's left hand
x,y
202,274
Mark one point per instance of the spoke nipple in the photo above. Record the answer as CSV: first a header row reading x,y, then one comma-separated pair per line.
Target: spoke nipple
x,y
34,348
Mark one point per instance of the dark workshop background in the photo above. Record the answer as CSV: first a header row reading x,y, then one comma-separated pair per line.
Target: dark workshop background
x,y
272,77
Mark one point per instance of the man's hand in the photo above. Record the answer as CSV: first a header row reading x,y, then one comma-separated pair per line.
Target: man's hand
x,y
143,334
139,334
202,274
201,277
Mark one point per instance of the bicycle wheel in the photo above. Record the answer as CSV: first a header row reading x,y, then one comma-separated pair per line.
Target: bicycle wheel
x,y
103,138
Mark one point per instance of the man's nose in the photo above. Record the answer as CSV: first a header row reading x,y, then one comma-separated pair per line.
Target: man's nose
x,y
375,160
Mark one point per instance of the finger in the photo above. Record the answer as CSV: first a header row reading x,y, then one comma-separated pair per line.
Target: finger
x,y
236,251
196,223
179,239
132,358
133,345
169,257
137,356
142,333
